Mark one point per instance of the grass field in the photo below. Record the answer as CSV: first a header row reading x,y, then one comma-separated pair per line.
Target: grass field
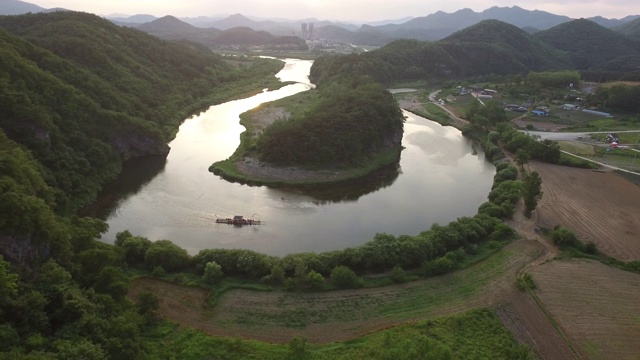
x,y
477,334
340,315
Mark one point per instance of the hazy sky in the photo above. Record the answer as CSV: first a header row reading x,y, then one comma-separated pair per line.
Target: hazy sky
x,y
346,10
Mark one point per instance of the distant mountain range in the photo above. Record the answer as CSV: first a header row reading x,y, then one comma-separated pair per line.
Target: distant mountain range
x,y
432,27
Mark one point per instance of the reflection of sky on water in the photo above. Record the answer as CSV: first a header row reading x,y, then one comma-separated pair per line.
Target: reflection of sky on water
x,y
439,180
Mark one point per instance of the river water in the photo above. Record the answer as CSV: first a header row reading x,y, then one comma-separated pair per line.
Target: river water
x,y
440,177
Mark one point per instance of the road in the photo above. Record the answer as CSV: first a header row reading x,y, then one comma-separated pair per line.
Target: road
x,y
556,136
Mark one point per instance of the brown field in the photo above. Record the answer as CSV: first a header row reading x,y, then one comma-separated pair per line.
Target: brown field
x,y
595,305
601,207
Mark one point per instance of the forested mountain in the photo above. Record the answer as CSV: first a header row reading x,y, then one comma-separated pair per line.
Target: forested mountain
x,y
440,24
489,47
169,27
16,7
593,47
630,29
84,95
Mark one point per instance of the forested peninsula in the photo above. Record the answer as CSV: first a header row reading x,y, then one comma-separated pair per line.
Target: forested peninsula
x,y
343,129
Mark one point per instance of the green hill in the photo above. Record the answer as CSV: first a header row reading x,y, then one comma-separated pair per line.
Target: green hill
x,y
593,47
352,120
489,47
630,29
83,95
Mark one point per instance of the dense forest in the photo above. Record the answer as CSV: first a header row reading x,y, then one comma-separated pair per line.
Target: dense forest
x,y
84,95
353,118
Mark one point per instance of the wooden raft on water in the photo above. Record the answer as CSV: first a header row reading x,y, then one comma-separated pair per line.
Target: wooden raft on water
x,y
239,220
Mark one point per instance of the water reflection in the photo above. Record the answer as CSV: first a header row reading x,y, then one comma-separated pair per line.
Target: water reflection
x,y
349,191
135,174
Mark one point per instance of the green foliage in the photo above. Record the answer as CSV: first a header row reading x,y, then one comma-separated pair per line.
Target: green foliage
x,y
8,281
489,47
113,282
167,255
297,346
147,303
531,191
352,119
212,273
522,157
554,79
509,173
565,238
577,38
315,280
524,282
83,95
343,277
620,98
514,140
398,275
235,262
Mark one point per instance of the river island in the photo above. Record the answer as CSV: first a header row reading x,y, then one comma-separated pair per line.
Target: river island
x,y
342,130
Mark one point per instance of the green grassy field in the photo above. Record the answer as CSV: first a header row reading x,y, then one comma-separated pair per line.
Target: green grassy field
x,y
477,334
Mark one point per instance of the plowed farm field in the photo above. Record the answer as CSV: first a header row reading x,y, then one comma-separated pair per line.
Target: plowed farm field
x,y
599,206
595,305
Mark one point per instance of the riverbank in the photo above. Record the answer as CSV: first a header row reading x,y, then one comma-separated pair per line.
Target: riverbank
x,y
414,102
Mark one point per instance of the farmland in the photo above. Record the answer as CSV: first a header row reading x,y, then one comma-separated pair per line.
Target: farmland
x,y
579,308
345,314
594,304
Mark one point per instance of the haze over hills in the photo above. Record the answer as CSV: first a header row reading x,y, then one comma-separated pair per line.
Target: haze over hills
x,y
171,28
431,27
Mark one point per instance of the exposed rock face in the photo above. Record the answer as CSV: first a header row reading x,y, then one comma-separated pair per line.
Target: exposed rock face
x,y
133,145
22,251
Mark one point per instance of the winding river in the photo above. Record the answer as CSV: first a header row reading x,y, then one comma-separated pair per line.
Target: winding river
x,y
441,177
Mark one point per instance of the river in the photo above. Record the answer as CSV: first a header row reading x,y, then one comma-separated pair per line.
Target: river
x,y
440,177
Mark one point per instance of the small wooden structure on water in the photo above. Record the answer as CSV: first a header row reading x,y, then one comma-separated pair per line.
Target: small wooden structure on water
x,y
239,220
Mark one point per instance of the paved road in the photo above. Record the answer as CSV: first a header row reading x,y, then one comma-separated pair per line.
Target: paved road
x,y
544,135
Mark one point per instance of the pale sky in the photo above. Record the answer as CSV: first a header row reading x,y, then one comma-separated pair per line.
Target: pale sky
x,y
344,10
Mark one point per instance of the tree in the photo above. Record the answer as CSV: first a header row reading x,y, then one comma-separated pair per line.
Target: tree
x,y
212,273
112,281
531,192
166,254
398,275
315,280
8,281
342,276
522,157
147,302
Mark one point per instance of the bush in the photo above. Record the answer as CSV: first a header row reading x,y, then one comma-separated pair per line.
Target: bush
x,y
315,280
166,254
212,273
524,282
398,275
565,238
342,276
590,248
